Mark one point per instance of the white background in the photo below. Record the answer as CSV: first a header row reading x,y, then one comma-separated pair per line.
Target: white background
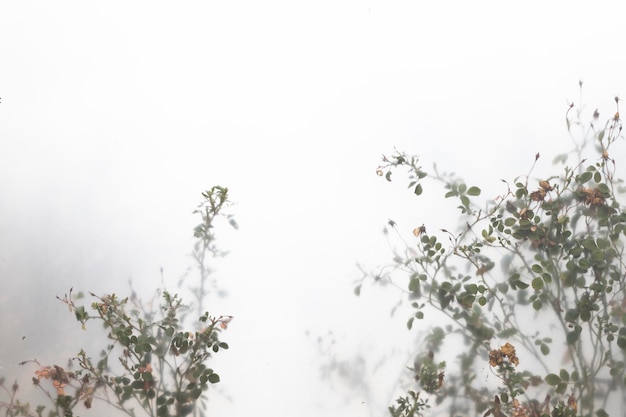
x,y
116,115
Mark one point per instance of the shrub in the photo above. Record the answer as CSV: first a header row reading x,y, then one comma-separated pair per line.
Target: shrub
x,y
153,361
532,283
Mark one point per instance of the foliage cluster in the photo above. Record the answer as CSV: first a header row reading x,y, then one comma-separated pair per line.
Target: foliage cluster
x,y
533,283
153,361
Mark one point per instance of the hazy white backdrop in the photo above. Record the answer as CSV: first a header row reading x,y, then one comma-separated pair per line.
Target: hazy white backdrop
x,y
116,115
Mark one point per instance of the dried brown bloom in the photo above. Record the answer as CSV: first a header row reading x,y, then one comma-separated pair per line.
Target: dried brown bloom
x,y
509,350
605,155
523,213
538,195
419,230
593,197
481,270
510,207
147,368
496,356
519,410
545,185
60,375
103,308
571,403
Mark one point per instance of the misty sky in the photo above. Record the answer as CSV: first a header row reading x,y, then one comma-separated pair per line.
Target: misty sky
x,y
115,116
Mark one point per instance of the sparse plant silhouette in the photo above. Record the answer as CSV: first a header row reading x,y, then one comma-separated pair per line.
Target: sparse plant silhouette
x,y
531,286
154,358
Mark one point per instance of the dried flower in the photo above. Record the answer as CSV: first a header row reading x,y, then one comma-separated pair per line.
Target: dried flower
x,y
418,231
593,197
538,195
224,321
496,356
605,155
59,387
545,185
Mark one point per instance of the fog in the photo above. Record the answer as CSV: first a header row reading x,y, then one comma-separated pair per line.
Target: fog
x,y
115,116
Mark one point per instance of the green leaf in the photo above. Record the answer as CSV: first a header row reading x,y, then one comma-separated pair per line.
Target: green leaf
x,y
214,378
545,350
584,177
597,177
409,323
602,243
547,278
572,337
604,189
589,243
471,288
560,158
521,285
468,299
473,191
621,339
602,413
552,379
510,221
418,189
507,333
81,314
564,375
537,284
